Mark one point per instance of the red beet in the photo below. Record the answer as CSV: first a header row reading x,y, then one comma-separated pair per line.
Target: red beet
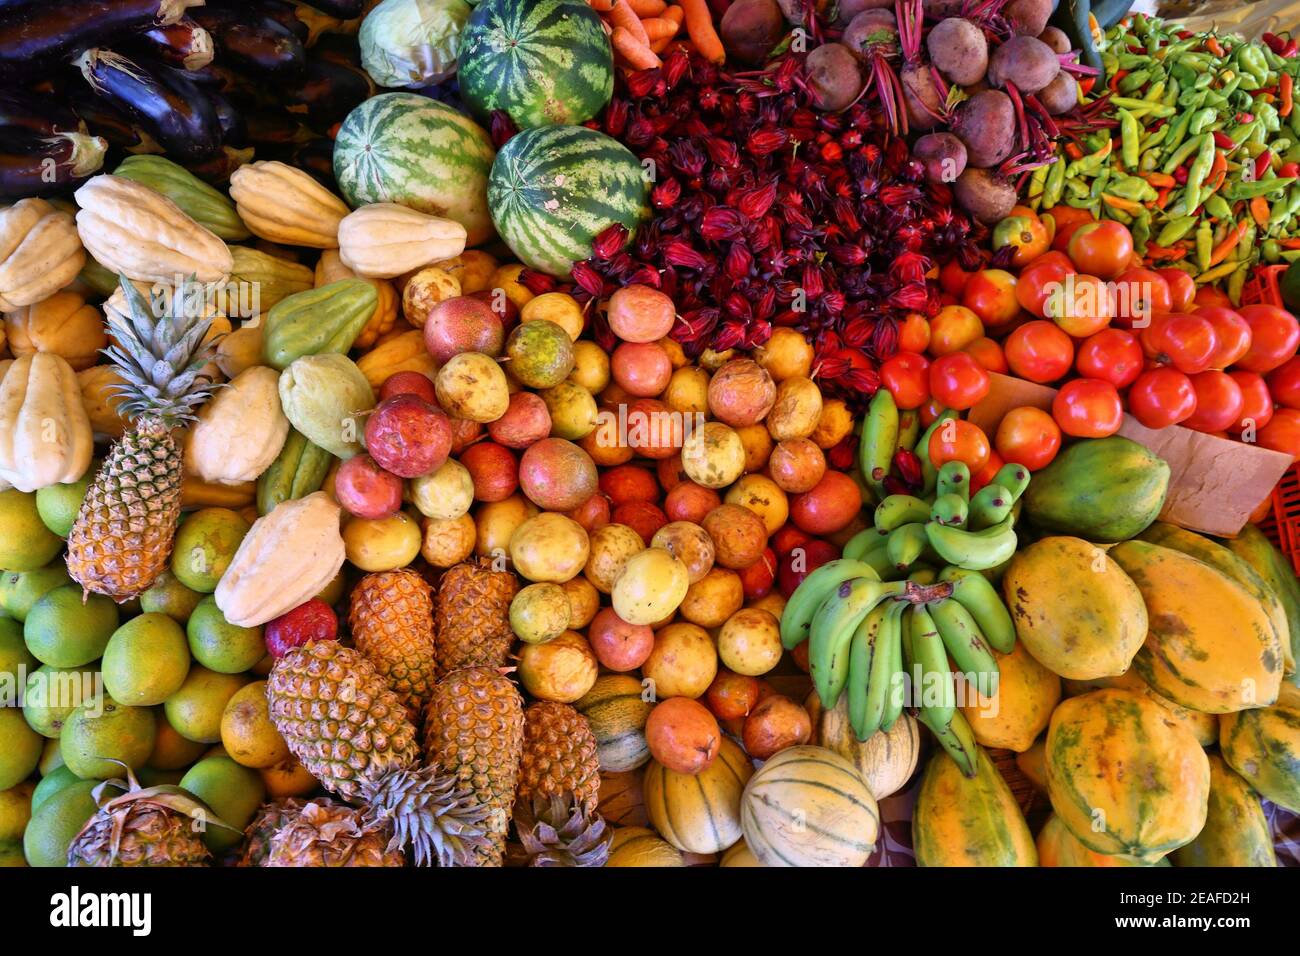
x,y
408,436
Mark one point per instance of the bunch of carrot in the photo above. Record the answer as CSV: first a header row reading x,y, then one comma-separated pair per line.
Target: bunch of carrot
x,y
640,30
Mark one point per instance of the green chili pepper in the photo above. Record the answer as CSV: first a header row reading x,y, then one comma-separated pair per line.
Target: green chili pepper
x,y
1242,189
1202,120
1091,163
1037,181
1177,134
1199,170
1152,108
1204,244
1141,230
1181,154
1237,282
1203,81
1134,81
1078,189
1155,92
1129,135
1099,184
1132,187
1175,230
1270,250
1149,143
1218,207
1290,255
1055,183
1245,248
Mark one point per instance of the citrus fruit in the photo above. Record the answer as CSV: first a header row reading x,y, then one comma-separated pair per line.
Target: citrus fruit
x,y
15,658
58,504
25,543
153,777
103,731
19,590
206,543
52,783
20,748
171,751
232,792
146,660
219,645
51,756
11,854
247,732
52,693
195,710
382,544
288,778
57,821
62,631
15,811
168,596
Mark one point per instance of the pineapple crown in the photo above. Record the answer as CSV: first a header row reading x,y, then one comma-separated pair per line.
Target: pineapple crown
x,y
429,811
161,354
557,830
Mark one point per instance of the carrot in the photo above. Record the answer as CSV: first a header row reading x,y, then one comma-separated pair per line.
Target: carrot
x,y
658,46
699,25
1229,242
647,8
1259,211
674,13
1285,89
659,28
623,17
638,55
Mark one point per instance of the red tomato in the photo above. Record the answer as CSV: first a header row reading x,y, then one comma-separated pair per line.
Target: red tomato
x,y
1284,383
958,381
957,440
989,354
1101,248
987,473
906,375
1028,436
1039,351
991,294
1080,305
1231,331
1140,295
1037,281
1209,295
1111,355
1067,220
1283,432
929,412
914,333
1088,408
1275,335
1161,397
953,278
1187,342
1218,402
1182,288
1256,402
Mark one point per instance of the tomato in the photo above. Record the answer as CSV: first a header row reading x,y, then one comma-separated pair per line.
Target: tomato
x,y
914,333
1037,282
1256,402
1284,383
958,440
1262,511
1139,295
1283,432
1028,436
1218,402
1101,248
958,381
953,328
1187,342
1182,288
931,410
1161,397
1067,220
1112,355
1025,233
906,375
1088,408
991,294
1055,259
1209,295
1039,351
1080,305
987,473
1231,330
953,278
989,354
1275,335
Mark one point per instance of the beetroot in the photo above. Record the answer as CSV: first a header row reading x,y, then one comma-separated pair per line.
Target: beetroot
x,y
944,156
848,9
925,106
1056,39
833,76
870,31
1026,61
750,28
1028,17
958,48
986,124
985,195
1061,95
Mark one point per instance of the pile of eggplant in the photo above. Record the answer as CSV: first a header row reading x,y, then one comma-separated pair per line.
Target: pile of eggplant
x,y
209,84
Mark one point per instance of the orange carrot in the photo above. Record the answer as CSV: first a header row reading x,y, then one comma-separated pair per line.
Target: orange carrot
x,y
658,46
1229,242
638,55
674,13
1285,89
1259,211
699,24
659,28
623,17
647,8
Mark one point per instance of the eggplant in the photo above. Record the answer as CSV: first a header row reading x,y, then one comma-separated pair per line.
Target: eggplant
x,y
275,129
342,9
32,37
330,93
163,102
254,43
37,113
216,170
184,44
41,165
231,120
103,119
316,158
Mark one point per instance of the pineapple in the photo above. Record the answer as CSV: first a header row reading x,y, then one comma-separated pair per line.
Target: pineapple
x,y
122,538
559,756
474,617
558,831
474,731
392,625
268,820
326,833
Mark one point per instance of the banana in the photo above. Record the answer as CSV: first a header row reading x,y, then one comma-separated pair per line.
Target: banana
x,y
922,574
909,428
954,479
862,651
977,595
878,558
950,509
929,473
879,441
832,631
974,550
879,684
966,645
892,667
861,543
935,692
957,739
991,504
1014,478
797,616
897,510
906,544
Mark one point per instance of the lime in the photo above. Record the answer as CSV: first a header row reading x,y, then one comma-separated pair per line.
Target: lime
x,y
168,596
15,811
52,693
232,792
58,821
219,645
51,784
11,854
171,751
20,748
63,631
25,543
206,543
15,659
58,504
152,777
51,757
195,710
146,660
103,731
247,732
19,590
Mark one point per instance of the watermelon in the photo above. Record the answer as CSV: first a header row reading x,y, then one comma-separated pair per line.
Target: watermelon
x,y
408,149
555,188
543,62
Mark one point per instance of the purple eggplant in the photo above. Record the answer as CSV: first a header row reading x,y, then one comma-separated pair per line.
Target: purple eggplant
x,y
275,129
316,158
38,113
41,165
342,9
104,120
184,44
282,12
330,93
163,102
32,37
254,43
233,130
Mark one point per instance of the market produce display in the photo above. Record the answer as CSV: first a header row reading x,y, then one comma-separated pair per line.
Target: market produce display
x,y
645,433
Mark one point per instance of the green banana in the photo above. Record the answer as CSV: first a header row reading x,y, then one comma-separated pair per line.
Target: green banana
x,y
797,616
886,663
957,739
897,510
954,479
930,474
950,509
974,550
1014,478
861,543
922,574
966,645
862,650
879,440
977,595
990,505
878,559
933,687
906,544
832,631
895,668
909,428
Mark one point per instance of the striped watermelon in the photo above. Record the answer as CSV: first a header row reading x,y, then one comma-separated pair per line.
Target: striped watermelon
x,y
409,149
553,189
541,61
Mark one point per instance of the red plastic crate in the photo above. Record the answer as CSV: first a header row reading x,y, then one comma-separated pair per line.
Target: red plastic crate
x,y
1263,286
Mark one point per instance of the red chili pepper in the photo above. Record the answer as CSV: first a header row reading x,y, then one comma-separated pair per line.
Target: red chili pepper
x,y
1223,140
1262,162
1289,170
1290,49
1274,42
1185,34
1180,175
1288,92
1245,117
1087,83
1115,78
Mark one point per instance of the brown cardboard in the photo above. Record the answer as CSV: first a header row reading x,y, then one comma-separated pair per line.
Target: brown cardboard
x,y
1214,483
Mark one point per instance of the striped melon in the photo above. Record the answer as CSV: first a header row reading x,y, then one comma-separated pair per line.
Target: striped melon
x,y
1264,747
541,61
739,855
699,813
1236,832
408,149
886,760
1057,846
969,821
637,846
808,806
617,713
555,188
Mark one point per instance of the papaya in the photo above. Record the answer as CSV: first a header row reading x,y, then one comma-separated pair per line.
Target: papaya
x,y
1074,608
1263,746
1033,763
1019,710
969,821
1102,489
1236,832
1204,727
1057,846
317,321
1210,645
1256,550
297,471
1124,777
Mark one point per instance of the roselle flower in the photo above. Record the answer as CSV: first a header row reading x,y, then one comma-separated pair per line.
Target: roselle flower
x,y
909,466
538,283
665,194
840,458
722,224
766,141
643,83
645,275
729,335
884,339
588,279
609,241
739,261
737,306
911,267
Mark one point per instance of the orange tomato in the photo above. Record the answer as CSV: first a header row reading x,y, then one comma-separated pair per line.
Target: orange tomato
x,y
1088,408
953,328
953,278
1182,288
991,294
1025,233
986,474
1081,305
1067,220
914,333
1028,436
1039,351
1140,295
1101,248
989,354
1282,433
959,440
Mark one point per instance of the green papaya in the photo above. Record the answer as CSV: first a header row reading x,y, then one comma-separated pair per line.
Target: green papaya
x,y
208,207
318,321
1236,832
297,471
1102,489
